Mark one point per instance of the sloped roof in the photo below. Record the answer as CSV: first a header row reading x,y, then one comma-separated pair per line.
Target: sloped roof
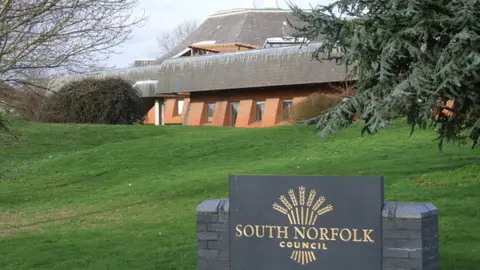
x,y
247,69
251,26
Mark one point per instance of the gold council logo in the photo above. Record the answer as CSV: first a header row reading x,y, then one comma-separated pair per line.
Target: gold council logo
x,y
302,236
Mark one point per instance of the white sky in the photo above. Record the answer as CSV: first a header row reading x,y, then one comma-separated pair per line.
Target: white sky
x,y
166,14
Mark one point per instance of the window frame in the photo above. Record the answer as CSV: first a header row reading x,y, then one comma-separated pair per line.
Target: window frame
x,y
210,118
257,103
290,101
180,108
233,122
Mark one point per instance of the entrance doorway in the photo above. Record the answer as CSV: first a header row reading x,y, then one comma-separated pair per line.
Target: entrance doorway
x,y
233,113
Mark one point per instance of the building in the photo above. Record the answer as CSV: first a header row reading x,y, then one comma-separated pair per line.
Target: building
x,y
239,68
244,89
144,62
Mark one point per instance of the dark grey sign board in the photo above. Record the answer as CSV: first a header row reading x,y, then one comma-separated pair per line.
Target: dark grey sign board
x,y
305,222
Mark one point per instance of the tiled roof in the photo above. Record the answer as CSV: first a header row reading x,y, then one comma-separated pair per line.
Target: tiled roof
x,y
247,69
251,26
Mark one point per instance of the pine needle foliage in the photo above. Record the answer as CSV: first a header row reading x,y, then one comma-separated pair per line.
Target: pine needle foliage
x,y
408,57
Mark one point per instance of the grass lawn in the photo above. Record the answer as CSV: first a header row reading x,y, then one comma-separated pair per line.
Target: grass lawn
x,y
124,197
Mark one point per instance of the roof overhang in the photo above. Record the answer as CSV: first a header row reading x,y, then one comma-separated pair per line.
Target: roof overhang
x,y
281,66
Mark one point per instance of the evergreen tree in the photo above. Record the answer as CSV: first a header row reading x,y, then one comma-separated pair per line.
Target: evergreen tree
x,y
408,57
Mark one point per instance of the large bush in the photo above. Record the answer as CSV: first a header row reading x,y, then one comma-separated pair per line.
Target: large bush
x,y
314,105
26,103
95,101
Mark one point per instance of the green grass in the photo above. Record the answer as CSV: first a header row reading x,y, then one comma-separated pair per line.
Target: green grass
x,y
124,197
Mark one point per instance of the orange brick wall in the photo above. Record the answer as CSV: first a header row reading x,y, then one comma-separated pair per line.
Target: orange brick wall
x,y
150,117
247,99
171,110
435,113
222,111
149,110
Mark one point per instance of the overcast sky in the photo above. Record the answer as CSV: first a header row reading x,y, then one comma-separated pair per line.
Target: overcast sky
x,y
166,14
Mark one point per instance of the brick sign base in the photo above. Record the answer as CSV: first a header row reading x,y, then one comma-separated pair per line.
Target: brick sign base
x,y
410,236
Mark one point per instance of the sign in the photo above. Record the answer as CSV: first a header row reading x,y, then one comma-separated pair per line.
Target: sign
x,y
305,222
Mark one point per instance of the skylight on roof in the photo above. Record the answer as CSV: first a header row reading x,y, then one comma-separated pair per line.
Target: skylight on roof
x,y
283,41
182,53
205,42
146,85
145,82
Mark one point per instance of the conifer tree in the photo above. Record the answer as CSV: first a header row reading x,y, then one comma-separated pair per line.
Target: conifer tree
x,y
409,58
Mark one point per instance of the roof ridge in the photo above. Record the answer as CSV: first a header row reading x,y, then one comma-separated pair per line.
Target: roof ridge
x,y
239,33
248,10
244,19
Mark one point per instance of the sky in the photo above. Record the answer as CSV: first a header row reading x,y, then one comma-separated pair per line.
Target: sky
x,y
164,15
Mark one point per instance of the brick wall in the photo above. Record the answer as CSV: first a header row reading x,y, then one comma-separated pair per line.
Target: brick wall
x,y
410,236
247,97
212,235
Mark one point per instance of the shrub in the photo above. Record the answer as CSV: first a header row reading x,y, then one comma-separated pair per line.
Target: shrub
x,y
20,101
314,105
26,103
94,101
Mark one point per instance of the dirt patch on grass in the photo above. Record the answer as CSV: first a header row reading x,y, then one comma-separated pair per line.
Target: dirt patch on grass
x,y
98,221
21,222
424,182
4,232
73,218
11,225
5,218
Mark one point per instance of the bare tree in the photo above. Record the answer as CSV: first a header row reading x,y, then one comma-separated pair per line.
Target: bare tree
x,y
60,36
169,39
57,36
25,99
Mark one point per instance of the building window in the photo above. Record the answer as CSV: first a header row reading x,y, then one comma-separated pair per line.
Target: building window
x,y
210,110
286,105
180,106
233,113
259,110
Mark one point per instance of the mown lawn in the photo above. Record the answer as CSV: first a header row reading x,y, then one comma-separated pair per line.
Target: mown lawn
x,y
124,197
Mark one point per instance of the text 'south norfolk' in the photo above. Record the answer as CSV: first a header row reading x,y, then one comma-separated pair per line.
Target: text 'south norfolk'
x,y
302,236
